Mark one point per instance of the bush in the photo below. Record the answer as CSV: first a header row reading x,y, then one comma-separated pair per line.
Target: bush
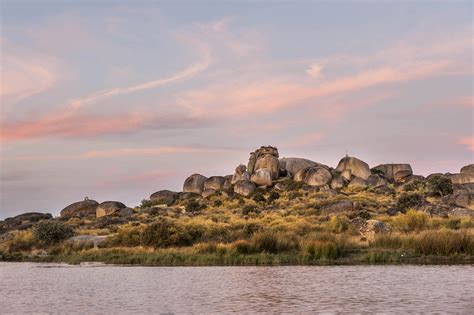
x,y
217,203
258,197
440,185
443,243
411,221
339,224
273,196
166,233
409,200
321,250
20,241
146,203
415,186
249,208
272,242
293,195
50,232
242,247
193,206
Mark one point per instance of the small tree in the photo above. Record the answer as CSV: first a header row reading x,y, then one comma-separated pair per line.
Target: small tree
x,y
409,200
440,185
50,232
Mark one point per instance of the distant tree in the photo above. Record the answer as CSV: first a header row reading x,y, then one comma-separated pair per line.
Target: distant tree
x,y
50,232
440,185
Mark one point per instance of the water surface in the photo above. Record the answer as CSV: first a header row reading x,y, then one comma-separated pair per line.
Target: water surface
x,y
55,288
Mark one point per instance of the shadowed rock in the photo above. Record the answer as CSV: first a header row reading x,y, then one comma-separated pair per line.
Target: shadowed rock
x,y
294,165
317,176
262,177
80,209
194,183
357,182
108,208
33,216
215,182
357,167
244,188
461,178
469,169
240,174
164,197
394,172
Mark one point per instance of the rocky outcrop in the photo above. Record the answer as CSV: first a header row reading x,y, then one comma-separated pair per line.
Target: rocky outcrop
x,y
460,213
215,182
376,181
262,177
468,169
32,217
317,176
357,167
108,208
394,172
294,165
244,188
125,212
337,182
357,182
164,197
461,178
460,198
240,174
264,158
80,209
194,183
208,192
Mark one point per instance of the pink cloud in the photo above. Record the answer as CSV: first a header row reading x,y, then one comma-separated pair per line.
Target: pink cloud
x,y
128,152
468,142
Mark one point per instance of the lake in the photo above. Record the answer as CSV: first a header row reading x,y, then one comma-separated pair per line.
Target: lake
x,y
58,288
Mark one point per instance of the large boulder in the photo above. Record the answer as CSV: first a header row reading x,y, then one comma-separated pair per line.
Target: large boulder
x,y
294,165
270,163
215,182
468,169
264,158
32,216
460,213
317,176
460,198
357,167
240,174
244,188
164,197
208,192
394,172
376,181
337,182
357,182
80,209
262,177
194,183
108,208
461,178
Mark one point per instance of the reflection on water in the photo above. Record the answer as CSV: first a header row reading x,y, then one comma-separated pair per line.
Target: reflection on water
x,y
40,288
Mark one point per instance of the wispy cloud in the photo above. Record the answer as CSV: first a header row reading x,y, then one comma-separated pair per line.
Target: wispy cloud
x,y
128,152
468,142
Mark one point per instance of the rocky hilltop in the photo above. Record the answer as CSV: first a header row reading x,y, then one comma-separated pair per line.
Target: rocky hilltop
x,y
369,200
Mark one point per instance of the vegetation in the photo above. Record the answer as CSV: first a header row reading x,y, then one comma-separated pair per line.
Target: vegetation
x,y
269,228
50,232
440,185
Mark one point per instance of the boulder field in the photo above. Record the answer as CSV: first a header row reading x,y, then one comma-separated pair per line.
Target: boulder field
x,y
266,170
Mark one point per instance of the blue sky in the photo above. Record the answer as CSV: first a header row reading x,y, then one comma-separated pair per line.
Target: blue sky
x,y
115,100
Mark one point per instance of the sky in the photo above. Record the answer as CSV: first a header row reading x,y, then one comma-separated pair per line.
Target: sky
x,y
115,100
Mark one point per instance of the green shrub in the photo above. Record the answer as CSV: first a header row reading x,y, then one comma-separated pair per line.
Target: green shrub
x,y
272,242
248,209
258,197
242,247
217,203
411,221
51,232
273,196
454,224
193,206
321,250
339,224
440,185
409,200
146,203
416,185
442,243
166,233
293,195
